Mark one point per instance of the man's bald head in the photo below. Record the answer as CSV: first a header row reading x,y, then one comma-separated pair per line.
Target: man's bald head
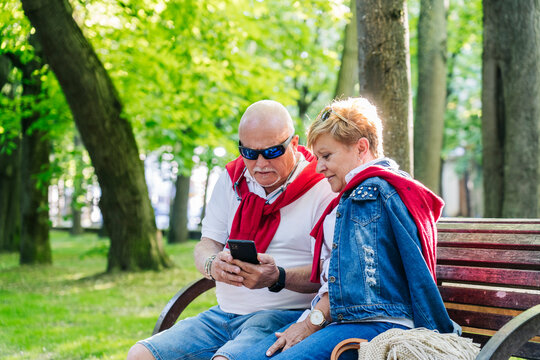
x,y
266,116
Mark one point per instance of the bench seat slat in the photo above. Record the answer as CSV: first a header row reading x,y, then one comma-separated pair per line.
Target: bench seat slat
x,y
482,275
495,298
492,258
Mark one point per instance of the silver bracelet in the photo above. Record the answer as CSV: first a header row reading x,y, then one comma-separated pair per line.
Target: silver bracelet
x,y
208,267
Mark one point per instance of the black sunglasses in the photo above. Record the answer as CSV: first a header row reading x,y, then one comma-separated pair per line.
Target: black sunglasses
x,y
268,153
326,114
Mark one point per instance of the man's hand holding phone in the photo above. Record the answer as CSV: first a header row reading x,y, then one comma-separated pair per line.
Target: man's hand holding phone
x,y
224,270
257,270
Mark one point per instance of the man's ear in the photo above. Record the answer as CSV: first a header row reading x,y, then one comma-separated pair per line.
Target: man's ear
x,y
294,142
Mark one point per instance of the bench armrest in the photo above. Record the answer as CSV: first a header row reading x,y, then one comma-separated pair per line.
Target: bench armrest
x,y
512,336
180,301
347,344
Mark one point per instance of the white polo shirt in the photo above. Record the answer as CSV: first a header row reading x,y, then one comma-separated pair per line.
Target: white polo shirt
x,y
290,246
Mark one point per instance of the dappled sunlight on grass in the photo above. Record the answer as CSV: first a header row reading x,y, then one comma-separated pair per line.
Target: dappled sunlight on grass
x,y
74,310
104,286
75,276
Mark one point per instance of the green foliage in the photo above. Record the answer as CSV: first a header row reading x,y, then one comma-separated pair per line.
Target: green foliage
x,y
73,311
186,70
14,31
413,8
464,103
305,46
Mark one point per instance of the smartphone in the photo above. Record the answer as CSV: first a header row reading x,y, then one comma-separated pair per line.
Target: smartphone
x,y
243,250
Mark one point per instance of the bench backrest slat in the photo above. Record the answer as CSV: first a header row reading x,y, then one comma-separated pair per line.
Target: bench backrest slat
x,y
493,298
481,275
479,320
489,241
517,259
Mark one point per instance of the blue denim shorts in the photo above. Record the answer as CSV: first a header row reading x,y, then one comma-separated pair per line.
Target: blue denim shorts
x,y
215,332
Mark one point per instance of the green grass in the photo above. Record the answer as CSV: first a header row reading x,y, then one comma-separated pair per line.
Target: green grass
x,y
72,310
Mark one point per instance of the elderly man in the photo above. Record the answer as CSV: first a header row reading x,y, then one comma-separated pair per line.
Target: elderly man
x,y
270,194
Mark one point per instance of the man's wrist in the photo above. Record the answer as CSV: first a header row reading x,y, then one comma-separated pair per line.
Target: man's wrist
x,y
208,267
280,283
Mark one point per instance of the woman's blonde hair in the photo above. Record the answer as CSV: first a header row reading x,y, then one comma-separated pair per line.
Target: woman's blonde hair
x,y
348,121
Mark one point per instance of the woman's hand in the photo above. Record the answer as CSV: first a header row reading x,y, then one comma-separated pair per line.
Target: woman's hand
x,y
292,336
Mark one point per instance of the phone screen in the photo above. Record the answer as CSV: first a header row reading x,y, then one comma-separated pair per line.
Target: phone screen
x,y
243,250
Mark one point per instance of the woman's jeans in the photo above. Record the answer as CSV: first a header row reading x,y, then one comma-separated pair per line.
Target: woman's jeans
x,y
320,344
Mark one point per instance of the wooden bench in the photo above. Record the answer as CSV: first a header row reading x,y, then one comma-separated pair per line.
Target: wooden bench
x,y
488,273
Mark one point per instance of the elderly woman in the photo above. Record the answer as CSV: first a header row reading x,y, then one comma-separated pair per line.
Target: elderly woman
x,y
374,247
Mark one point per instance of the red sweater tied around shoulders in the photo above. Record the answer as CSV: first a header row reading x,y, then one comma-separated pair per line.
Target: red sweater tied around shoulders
x,y
425,208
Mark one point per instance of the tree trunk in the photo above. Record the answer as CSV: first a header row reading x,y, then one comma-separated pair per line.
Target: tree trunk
x,y
36,148
464,196
348,71
384,72
10,192
35,244
511,108
431,97
106,134
305,100
205,196
78,178
178,231
76,225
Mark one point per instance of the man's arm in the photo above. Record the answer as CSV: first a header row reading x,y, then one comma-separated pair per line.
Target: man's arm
x,y
222,268
297,279
266,274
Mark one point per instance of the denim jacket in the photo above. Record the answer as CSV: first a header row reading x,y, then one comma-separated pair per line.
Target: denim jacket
x,y
376,265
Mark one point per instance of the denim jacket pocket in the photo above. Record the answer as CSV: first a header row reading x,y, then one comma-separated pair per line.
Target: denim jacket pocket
x,y
366,204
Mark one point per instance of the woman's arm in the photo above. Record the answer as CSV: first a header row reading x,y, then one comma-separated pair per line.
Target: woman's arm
x,y
301,330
